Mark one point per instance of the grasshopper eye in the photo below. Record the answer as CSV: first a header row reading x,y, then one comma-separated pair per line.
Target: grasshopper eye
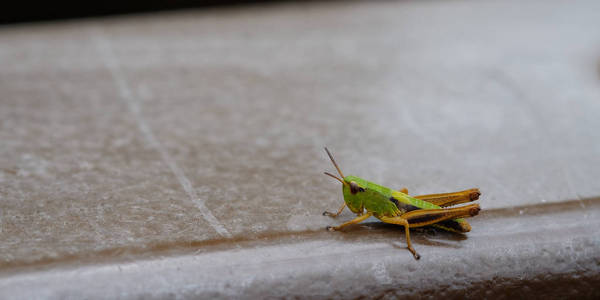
x,y
354,188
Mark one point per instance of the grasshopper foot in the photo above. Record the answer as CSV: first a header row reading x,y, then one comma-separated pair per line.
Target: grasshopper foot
x,y
417,256
330,228
414,253
330,214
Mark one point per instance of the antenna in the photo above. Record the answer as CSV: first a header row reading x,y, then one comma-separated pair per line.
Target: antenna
x,y
334,163
327,173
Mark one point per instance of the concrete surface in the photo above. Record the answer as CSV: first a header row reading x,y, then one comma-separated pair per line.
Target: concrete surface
x,y
519,261
180,154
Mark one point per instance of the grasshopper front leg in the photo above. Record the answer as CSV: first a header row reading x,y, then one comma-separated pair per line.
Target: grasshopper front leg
x,y
354,221
326,213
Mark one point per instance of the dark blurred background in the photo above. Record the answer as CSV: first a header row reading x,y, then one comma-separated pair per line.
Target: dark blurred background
x,y
28,11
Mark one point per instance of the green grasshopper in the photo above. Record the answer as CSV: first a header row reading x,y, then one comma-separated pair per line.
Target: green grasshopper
x,y
367,199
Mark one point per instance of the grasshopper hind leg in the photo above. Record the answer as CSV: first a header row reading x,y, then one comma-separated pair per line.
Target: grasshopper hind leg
x,y
451,199
425,217
403,222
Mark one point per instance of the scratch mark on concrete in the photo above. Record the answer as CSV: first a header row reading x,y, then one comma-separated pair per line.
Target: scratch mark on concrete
x,y
111,62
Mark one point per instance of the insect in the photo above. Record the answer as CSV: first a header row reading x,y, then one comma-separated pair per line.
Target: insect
x,y
367,199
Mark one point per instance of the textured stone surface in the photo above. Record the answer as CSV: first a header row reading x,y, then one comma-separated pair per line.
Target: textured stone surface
x,y
506,255
198,135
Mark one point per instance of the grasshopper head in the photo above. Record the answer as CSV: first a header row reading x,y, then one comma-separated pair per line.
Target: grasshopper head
x,y
352,187
353,192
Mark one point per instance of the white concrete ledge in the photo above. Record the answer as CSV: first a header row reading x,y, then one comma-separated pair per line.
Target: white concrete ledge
x,y
549,250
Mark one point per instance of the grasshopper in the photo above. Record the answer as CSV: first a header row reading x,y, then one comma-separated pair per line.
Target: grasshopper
x,y
367,199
